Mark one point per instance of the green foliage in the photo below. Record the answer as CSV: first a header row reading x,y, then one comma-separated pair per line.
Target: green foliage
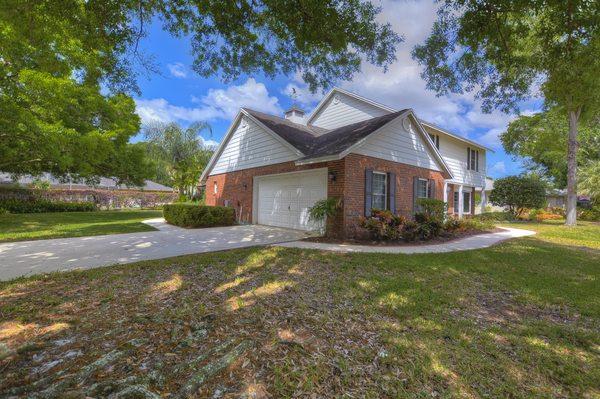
x,y
67,68
496,216
508,50
325,208
189,215
432,208
590,178
42,206
179,154
542,140
518,193
591,215
468,224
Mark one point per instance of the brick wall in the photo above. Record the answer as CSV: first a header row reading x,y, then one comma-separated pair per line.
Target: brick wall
x,y
354,193
235,188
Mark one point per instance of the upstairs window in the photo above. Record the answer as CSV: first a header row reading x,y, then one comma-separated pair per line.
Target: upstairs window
x,y
472,159
435,139
215,188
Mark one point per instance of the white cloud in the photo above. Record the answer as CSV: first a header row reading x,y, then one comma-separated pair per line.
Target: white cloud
x,y
177,70
402,86
208,142
216,104
251,94
302,94
499,168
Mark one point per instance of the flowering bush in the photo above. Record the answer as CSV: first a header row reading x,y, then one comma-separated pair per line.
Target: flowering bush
x,y
383,225
540,215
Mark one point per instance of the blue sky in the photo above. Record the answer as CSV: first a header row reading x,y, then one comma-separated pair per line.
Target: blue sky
x,y
178,94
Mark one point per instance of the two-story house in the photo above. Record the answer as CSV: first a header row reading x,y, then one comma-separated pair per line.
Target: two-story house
x,y
273,169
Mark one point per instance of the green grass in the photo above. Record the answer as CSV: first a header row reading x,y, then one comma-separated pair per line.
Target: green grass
x,y
36,226
586,234
519,320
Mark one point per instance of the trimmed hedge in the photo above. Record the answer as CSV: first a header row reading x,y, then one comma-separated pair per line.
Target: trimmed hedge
x,y
13,205
190,215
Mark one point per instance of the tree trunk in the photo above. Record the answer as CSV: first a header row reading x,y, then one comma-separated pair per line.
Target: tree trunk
x,y
573,145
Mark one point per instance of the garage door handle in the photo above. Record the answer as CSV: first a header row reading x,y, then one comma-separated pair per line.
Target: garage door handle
x,y
289,209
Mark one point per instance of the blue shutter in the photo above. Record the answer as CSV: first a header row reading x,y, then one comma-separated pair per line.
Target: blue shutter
x,y
392,192
368,191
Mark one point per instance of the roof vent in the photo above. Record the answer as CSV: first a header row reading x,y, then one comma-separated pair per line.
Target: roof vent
x,y
294,114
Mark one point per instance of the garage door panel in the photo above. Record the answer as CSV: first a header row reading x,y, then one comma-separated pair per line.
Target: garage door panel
x,y
285,200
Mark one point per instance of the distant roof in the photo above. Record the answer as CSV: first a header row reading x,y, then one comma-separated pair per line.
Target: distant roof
x,y
316,142
105,183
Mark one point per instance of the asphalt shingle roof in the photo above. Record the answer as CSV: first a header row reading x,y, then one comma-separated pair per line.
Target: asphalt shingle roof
x,y
315,142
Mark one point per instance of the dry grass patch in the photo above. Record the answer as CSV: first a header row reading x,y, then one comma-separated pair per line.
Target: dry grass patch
x,y
516,320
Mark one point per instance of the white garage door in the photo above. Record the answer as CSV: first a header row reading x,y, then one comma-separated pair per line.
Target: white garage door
x,y
284,200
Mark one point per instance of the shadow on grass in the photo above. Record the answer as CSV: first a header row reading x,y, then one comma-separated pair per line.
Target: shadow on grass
x,y
519,319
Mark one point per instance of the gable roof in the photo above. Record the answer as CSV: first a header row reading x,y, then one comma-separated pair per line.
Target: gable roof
x,y
334,90
314,143
383,107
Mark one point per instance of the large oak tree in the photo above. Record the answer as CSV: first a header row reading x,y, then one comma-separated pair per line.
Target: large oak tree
x,y
507,50
67,68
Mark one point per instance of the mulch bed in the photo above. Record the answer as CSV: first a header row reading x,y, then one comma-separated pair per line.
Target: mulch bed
x,y
401,243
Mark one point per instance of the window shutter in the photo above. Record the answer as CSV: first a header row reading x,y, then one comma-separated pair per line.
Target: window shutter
x,y
431,189
392,192
477,161
415,193
468,158
368,191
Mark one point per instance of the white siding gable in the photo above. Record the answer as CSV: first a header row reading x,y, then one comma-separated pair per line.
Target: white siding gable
x,y
251,146
454,153
396,143
341,110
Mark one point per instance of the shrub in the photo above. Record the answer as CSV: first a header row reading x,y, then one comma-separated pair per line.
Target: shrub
x,y
590,215
383,225
13,205
540,215
433,209
3,211
496,216
325,208
189,215
518,193
410,231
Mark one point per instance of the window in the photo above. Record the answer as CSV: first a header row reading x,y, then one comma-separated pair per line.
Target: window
x,y
215,188
466,202
435,139
423,189
456,202
379,191
472,159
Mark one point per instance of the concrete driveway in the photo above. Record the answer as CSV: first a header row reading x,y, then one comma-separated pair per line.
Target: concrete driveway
x,y
33,257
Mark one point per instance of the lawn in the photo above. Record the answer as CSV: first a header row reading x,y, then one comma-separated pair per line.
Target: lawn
x,y
36,226
585,234
521,319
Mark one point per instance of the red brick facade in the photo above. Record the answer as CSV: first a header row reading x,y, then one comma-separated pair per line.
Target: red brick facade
x,y
235,188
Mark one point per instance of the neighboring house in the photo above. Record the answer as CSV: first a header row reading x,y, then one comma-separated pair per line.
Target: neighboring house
x,y
272,169
556,198
104,183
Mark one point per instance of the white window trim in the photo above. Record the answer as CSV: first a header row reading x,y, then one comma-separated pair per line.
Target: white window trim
x,y
385,190
470,199
216,188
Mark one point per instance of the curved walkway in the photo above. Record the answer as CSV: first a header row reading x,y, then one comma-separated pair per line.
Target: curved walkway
x,y
473,242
